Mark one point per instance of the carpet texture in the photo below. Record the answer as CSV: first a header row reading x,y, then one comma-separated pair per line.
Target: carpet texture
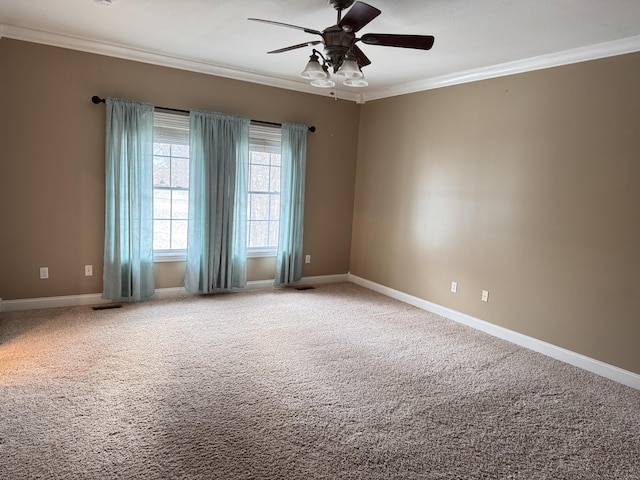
x,y
337,382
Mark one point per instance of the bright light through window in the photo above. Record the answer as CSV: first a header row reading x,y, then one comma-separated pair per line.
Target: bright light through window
x,y
170,182
170,196
263,206
264,200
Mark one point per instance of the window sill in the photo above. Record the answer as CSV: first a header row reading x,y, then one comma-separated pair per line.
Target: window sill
x,y
261,252
160,256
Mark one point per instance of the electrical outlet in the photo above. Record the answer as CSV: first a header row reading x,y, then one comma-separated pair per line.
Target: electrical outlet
x,y
485,296
454,287
88,270
307,259
44,273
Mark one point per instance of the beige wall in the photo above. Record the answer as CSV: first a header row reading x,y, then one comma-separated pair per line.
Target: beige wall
x,y
527,186
52,162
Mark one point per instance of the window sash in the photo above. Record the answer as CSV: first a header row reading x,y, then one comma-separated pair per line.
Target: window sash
x,y
263,139
172,129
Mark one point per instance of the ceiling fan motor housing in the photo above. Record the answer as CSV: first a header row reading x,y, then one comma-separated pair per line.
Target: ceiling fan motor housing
x,y
337,43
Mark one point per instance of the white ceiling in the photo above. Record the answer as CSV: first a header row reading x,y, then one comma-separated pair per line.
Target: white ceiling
x,y
474,38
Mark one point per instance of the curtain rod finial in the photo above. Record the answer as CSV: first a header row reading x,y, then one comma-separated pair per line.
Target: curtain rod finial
x,y
96,99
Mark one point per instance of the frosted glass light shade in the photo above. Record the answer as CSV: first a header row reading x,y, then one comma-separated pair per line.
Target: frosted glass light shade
x,y
356,82
350,69
325,82
313,69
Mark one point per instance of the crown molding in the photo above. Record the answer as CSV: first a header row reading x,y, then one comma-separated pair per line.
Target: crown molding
x,y
145,56
567,57
582,54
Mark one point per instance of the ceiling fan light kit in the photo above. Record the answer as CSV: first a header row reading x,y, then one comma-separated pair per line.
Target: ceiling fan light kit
x,y
321,77
342,57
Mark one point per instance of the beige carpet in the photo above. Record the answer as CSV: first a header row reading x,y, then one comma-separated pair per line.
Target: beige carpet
x,y
332,383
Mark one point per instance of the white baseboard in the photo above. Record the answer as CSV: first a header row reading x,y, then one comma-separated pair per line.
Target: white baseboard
x,y
611,372
77,300
322,279
268,284
258,285
161,293
53,302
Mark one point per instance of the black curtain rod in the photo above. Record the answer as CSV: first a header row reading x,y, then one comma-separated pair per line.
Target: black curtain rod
x,y
96,99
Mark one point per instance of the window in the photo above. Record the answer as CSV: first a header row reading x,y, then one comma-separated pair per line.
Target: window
x,y
170,185
263,205
171,188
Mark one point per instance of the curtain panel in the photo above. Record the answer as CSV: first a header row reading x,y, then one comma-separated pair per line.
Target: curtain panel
x,y
128,246
294,159
216,246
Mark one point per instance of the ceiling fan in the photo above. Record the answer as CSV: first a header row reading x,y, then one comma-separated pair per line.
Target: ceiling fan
x,y
341,54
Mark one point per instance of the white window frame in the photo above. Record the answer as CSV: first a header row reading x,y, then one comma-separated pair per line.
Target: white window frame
x,y
267,139
174,128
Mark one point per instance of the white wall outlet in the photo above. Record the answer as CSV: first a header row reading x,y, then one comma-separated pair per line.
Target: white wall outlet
x,y
307,259
485,295
88,270
44,273
454,287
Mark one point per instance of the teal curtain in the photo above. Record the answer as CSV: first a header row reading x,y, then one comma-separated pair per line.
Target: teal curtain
x,y
294,159
128,244
216,245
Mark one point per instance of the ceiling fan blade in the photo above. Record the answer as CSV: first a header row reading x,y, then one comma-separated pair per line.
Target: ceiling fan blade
x,y
363,61
293,47
358,16
421,42
280,24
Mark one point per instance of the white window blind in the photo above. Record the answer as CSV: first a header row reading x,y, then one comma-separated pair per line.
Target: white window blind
x,y
264,139
170,128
